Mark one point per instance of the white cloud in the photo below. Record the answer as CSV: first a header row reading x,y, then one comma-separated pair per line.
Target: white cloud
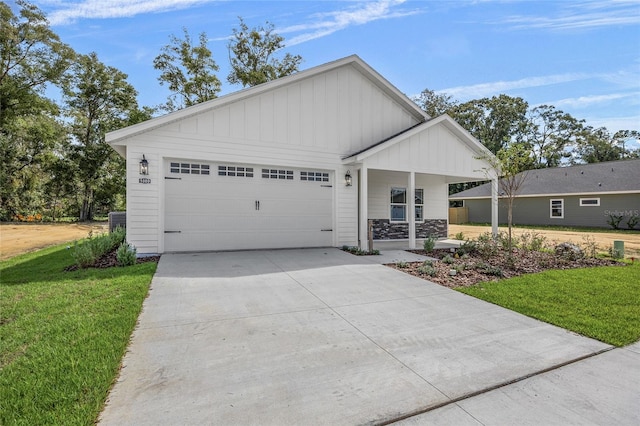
x,y
580,15
69,12
587,101
494,88
330,22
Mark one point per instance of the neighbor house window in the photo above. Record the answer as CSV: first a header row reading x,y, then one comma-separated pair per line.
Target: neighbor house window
x,y
419,205
189,168
584,202
235,171
399,205
557,208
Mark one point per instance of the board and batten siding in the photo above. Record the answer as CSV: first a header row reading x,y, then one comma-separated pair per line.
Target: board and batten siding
x,y
536,210
435,150
312,123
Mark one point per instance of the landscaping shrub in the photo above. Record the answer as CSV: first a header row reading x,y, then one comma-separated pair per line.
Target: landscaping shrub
x,y
429,244
126,255
448,259
459,236
633,221
87,252
487,246
428,270
533,241
614,220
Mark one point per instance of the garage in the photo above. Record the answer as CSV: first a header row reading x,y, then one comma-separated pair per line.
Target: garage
x,y
211,206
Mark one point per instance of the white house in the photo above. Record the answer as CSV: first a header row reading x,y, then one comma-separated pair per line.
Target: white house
x,y
303,161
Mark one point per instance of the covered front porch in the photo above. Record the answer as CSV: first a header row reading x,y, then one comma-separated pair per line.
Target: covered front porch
x,y
403,183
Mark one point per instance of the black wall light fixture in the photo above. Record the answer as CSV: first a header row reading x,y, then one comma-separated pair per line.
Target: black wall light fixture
x,y
144,166
347,178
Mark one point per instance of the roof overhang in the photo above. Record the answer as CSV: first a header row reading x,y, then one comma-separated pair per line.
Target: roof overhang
x,y
444,120
119,137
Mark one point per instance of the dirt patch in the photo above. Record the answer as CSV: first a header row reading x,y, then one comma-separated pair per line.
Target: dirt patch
x,y
470,269
18,238
604,240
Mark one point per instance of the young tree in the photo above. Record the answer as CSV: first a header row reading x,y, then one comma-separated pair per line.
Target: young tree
x,y
551,132
188,70
98,99
511,164
251,56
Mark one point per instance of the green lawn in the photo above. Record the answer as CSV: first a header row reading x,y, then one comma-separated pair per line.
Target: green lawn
x,y
63,335
602,303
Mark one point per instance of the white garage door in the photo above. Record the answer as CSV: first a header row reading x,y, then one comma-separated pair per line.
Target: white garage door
x,y
234,207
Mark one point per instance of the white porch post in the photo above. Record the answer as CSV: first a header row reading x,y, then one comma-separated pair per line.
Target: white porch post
x,y
494,206
364,213
411,205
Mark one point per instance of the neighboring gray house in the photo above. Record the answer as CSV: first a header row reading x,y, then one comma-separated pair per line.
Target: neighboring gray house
x,y
583,195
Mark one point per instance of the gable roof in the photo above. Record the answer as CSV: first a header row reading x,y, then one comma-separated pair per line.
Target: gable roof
x,y
597,178
116,137
443,119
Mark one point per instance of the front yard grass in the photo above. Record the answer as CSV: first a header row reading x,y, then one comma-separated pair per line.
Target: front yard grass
x,y
602,303
63,335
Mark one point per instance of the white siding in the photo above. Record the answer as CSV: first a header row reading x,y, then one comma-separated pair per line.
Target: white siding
x,y
143,202
435,150
435,187
346,209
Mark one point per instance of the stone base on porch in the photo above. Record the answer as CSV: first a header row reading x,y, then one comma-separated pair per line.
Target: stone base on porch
x,y
383,229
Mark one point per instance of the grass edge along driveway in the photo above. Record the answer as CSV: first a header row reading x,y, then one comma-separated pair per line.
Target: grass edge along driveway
x,y
602,303
63,335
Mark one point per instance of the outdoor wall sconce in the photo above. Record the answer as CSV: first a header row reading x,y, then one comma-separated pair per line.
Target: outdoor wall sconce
x,y
347,178
144,166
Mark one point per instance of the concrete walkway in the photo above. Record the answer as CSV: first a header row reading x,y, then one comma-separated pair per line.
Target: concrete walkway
x,y
319,336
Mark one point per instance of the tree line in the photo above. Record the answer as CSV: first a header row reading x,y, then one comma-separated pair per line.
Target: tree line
x,y
54,159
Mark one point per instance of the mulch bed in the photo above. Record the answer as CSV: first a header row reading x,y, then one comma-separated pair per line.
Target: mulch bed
x,y
472,269
110,260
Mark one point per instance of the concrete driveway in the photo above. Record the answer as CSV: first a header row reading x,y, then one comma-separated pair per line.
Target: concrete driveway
x,y
319,336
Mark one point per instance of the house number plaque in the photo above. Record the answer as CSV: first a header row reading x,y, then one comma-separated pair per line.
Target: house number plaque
x,y
144,180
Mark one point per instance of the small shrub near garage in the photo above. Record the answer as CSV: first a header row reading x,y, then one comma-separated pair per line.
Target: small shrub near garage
x,y
126,255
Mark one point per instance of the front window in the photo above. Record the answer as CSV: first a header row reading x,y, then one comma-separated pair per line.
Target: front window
x,y
419,205
398,204
557,209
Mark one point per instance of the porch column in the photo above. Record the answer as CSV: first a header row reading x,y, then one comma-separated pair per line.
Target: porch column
x,y
363,204
494,206
411,206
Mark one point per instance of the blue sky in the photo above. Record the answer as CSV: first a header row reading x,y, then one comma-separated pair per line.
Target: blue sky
x,y
581,56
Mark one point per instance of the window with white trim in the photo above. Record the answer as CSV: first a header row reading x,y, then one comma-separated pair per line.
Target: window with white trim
x,y
189,168
587,202
556,208
235,171
398,205
419,204
277,174
310,176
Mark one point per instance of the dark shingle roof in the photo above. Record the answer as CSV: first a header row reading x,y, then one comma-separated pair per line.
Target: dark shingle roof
x,y
611,176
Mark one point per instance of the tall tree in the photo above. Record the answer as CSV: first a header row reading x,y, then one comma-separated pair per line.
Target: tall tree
x,y
98,99
188,70
251,56
31,57
600,145
495,121
435,104
551,133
